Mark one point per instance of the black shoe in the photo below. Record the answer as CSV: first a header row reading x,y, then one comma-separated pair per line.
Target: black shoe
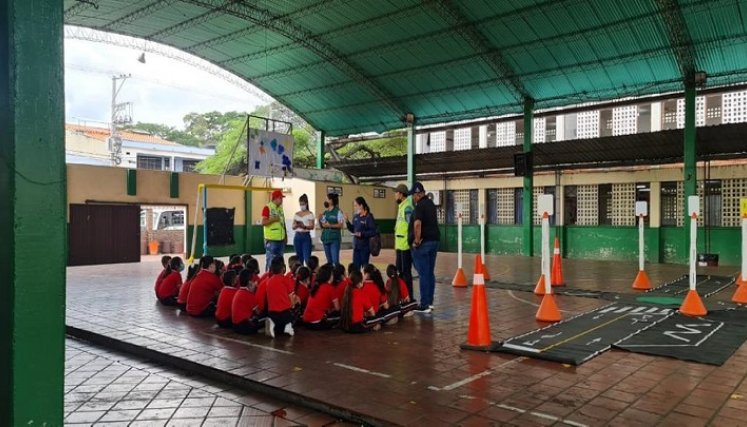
x,y
423,309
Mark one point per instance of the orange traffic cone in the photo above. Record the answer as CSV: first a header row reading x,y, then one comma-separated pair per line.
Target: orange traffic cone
x,y
460,281
741,280
557,267
693,305
479,263
478,335
740,295
641,282
540,288
478,267
548,310
485,273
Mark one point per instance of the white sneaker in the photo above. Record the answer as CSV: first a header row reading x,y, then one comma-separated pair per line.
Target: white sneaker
x,y
270,327
432,307
289,329
409,314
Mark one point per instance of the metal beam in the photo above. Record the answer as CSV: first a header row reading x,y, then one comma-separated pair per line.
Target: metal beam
x,y
306,39
505,73
527,214
679,38
189,23
137,14
80,7
320,151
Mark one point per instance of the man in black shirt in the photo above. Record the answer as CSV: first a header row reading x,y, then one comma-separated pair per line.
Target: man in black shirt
x,y
424,239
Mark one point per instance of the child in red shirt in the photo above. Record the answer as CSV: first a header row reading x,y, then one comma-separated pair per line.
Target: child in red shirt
x,y
374,288
303,281
357,314
225,299
322,301
181,300
280,299
165,260
398,297
167,290
204,289
244,305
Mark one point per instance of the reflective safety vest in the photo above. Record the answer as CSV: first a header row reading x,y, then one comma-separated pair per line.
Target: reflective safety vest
x,y
401,227
276,230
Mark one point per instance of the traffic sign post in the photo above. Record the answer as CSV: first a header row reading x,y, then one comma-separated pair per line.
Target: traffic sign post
x,y
641,282
548,310
693,305
460,280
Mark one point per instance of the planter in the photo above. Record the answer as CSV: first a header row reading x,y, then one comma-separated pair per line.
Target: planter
x,y
153,247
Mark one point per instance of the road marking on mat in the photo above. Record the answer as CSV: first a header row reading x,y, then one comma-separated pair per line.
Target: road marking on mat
x,y
540,415
475,377
365,371
511,294
263,347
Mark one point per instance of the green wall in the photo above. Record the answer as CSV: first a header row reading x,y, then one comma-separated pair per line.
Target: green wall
x,y
599,242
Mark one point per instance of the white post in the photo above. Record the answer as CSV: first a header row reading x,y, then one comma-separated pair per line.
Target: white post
x,y
744,248
640,244
482,237
693,249
459,240
546,252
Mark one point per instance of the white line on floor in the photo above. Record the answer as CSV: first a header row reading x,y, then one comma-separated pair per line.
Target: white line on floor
x,y
540,415
365,371
475,377
511,294
263,347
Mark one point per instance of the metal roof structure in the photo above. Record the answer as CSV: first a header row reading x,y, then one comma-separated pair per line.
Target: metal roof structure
x,y
357,66
714,143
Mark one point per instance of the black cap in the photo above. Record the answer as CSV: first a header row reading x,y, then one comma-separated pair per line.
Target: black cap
x,y
417,188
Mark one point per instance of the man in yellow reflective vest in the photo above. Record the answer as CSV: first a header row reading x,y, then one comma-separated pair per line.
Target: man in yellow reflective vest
x,y
401,232
273,221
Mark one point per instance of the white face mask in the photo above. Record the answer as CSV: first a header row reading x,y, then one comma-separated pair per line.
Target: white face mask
x,y
304,206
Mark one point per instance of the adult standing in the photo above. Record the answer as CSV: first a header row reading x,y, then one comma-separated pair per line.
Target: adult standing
x,y
303,224
363,227
332,221
401,235
273,221
424,240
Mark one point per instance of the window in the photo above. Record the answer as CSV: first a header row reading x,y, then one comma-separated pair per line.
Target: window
x,y
710,203
518,205
189,165
505,134
462,139
734,107
500,209
570,202
625,120
149,162
731,191
379,193
605,204
539,135
438,142
671,207
468,201
167,163
700,112
588,124
587,212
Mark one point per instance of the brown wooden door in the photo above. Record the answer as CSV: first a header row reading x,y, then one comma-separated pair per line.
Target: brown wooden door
x,y
103,234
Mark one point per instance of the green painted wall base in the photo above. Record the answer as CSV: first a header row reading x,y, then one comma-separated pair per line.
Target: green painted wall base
x,y
601,242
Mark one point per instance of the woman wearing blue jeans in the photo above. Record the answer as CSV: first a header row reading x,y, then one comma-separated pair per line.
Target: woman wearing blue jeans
x,y
332,221
363,228
303,223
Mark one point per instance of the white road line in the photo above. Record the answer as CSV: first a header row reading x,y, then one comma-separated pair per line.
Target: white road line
x,y
623,310
636,310
263,347
476,377
361,370
520,347
608,309
652,310
540,415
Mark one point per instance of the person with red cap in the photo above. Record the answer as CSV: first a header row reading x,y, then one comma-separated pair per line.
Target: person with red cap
x,y
273,221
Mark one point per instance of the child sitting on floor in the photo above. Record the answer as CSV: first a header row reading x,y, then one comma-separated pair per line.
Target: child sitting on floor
x,y
280,300
357,314
225,299
374,288
204,289
303,282
243,307
398,297
181,301
167,290
322,301
162,275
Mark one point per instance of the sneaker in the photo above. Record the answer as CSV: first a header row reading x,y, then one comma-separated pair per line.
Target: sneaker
x,y
409,313
424,309
377,327
270,327
432,307
289,329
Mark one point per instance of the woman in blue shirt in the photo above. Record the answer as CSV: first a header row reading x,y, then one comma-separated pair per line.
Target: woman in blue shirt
x,y
363,227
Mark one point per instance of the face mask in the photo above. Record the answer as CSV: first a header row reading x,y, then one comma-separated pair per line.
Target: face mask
x,y
304,206
357,210
181,267
399,201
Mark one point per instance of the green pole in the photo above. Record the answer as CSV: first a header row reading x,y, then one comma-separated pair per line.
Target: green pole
x,y
33,213
320,151
689,170
411,172
527,199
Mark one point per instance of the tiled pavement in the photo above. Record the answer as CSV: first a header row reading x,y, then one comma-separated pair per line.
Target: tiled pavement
x,y
103,388
414,373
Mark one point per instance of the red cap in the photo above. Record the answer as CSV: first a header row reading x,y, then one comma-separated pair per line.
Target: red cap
x,y
276,194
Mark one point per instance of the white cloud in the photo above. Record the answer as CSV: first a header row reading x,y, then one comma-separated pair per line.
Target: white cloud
x,y
163,90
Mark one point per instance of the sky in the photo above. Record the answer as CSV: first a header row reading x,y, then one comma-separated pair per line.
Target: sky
x,y
163,90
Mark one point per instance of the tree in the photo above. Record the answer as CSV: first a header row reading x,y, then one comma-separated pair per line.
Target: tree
x,y
234,136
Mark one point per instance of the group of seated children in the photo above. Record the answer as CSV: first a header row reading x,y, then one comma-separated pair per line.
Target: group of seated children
x,y
315,297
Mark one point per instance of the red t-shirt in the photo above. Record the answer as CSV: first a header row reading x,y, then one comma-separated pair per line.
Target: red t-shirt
x,y
169,286
278,294
225,300
403,292
184,292
302,292
373,294
159,279
360,305
203,290
319,303
340,289
262,295
242,306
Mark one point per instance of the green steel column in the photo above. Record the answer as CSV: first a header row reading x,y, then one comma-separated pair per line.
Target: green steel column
x,y
527,207
411,140
320,151
32,213
690,172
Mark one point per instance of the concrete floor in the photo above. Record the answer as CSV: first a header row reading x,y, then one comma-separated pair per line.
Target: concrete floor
x,y
414,373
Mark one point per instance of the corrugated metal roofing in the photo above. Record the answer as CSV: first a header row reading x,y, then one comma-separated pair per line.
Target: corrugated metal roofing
x,y
351,66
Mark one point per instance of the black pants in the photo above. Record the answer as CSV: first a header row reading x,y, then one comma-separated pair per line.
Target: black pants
x,y
169,302
364,326
404,266
209,311
247,327
225,323
280,318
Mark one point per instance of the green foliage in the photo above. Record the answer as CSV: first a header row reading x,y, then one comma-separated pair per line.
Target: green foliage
x,y
233,137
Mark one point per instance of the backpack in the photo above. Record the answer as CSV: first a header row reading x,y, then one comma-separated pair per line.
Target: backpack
x,y
374,243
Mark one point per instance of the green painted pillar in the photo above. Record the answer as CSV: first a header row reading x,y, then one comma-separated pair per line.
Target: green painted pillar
x,y
527,206
411,140
689,169
32,213
248,222
320,151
